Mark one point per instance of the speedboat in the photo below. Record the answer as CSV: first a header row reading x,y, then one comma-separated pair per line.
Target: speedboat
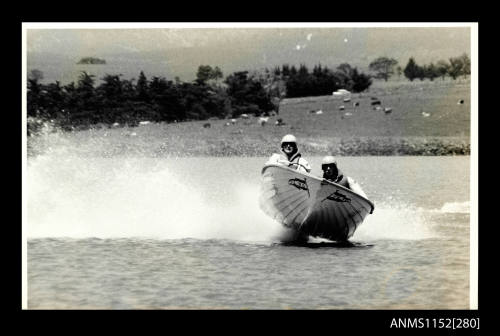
x,y
310,205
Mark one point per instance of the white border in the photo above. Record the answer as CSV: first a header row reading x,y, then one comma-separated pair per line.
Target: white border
x,y
145,25
24,243
474,243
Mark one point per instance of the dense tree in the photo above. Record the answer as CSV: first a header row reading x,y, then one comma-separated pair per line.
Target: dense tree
x,y
277,71
299,83
442,68
421,73
206,72
411,70
343,77
459,66
247,95
285,72
86,109
303,71
455,69
273,84
166,99
383,67
431,71
323,81
54,100
111,90
361,81
465,64
85,85
34,102
351,79
141,89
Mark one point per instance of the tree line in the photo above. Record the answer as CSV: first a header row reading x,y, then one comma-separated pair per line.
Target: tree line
x,y
118,100
123,101
290,81
454,67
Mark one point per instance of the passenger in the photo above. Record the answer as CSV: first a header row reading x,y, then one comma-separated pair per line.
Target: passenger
x,y
291,156
332,173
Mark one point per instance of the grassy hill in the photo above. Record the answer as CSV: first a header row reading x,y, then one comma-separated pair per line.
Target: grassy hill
x,y
426,119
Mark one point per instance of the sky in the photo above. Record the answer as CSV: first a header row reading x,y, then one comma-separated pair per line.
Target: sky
x,y
179,51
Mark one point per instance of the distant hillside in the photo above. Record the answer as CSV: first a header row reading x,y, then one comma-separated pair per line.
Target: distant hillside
x,y
91,60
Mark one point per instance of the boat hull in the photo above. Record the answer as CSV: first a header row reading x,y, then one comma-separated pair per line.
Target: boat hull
x,y
310,205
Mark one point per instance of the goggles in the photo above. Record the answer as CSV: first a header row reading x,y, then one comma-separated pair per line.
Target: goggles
x,y
288,144
329,165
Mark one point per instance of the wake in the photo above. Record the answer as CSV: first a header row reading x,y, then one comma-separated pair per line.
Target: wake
x,y
74,191
70,196
75,197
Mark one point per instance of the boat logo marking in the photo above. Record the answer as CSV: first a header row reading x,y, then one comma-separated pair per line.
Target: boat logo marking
x,y
299,184
338,197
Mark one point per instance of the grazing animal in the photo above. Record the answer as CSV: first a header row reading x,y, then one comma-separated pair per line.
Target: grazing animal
x,y
244,116
233,121
387,110
319,112
460,102
207,125
263,120
346,100
376,102
355,104
279,122
425,114
377,108
342,108
348,114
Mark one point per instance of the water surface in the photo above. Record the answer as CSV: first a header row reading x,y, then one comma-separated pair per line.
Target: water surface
x,y
128,233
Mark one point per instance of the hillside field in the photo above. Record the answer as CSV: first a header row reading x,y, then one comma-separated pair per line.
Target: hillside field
x,y
426,119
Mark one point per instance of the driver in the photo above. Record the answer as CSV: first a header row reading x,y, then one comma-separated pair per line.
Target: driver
x,y
290,156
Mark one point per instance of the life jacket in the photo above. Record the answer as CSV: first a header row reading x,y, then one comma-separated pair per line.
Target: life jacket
x,y
298,163
295,162
341,179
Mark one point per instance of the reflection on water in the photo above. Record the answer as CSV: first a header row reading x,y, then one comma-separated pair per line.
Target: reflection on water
x,y
340,244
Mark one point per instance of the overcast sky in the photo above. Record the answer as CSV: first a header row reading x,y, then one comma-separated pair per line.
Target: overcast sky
x,y
245,48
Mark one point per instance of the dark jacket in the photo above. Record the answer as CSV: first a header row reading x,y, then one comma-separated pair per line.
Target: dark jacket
x,y
341,179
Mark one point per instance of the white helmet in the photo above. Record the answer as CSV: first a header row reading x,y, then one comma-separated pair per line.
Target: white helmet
x,y
328,160
288,138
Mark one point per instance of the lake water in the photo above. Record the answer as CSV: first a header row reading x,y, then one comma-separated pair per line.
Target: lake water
x,y
139,233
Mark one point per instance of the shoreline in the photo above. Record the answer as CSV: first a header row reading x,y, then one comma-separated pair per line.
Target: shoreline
x,y
130,142
338,147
